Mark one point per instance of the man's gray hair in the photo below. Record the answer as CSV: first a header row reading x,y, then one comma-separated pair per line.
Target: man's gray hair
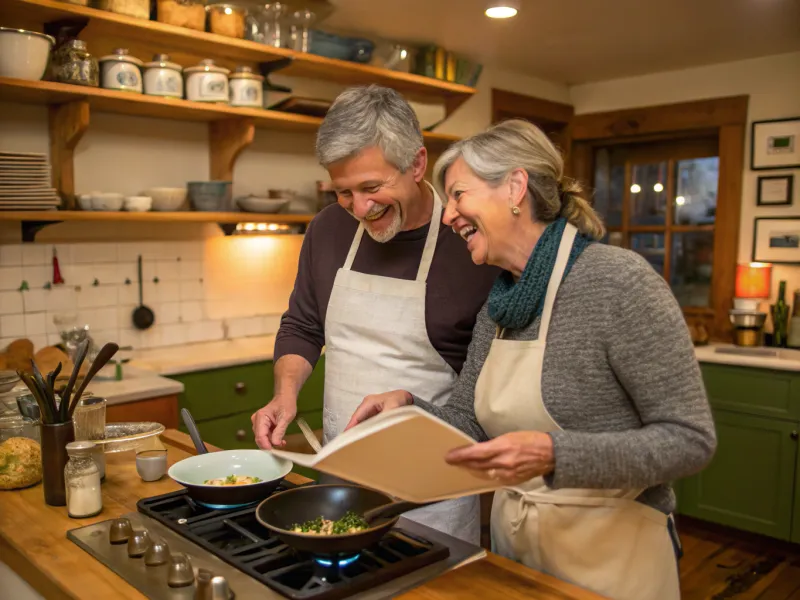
x,y
361,117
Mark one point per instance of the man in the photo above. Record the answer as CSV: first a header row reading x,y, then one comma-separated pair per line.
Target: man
x,y
395,308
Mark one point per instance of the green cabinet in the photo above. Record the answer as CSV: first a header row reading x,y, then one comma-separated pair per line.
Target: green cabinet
x,y
753,481
223,400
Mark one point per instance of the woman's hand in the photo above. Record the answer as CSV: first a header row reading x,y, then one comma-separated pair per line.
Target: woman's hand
x,y
377,403
511,458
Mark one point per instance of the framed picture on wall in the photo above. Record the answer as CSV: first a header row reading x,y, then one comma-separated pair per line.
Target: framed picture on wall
x,y
774,190
777,240
775,144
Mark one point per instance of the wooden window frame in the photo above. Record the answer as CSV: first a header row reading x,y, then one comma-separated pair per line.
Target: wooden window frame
x,y
725,118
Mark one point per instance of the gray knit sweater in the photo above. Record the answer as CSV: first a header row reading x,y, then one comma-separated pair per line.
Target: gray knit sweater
x,y
620,378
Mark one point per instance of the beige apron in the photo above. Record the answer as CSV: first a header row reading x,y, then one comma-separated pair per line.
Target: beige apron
x,y
376,341
602,540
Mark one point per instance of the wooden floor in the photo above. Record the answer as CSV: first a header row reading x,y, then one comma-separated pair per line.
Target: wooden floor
x,y
721,564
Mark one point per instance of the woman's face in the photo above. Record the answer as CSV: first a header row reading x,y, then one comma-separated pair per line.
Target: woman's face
x,y
478,212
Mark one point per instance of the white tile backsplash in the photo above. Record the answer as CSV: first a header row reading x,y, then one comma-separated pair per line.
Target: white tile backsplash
x,y
187,308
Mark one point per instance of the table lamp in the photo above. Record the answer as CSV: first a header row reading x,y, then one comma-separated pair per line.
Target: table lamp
x,y
753,284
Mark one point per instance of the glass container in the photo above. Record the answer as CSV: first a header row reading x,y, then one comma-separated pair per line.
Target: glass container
x,y
82,481
132,8
90,424
300,30
72,63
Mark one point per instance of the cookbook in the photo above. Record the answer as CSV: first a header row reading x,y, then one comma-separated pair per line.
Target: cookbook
x,y
399,452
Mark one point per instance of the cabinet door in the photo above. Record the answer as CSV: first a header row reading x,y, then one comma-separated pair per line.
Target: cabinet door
x,y
749,483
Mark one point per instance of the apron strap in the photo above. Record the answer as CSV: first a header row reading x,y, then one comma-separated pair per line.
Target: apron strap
x,y
564,249
433,236
351,255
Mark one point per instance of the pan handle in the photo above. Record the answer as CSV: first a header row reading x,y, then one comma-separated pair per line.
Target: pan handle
x,y
390,511
193,432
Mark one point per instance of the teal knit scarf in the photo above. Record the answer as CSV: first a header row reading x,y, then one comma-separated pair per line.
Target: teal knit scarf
x,y
515,305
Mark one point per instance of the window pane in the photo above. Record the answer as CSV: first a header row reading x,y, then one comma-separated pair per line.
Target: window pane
x,y
649,194
696,191
651,247
609,184
692,257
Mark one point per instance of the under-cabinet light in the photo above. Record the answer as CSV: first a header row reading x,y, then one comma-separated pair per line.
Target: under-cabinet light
x,y
265,229
502,9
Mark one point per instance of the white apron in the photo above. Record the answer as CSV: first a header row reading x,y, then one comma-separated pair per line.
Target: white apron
x,y
601,540
376,341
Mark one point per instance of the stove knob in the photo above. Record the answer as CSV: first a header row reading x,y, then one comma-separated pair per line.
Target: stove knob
x,y
220,589
119,531
138,543
203,590
156,554
179,572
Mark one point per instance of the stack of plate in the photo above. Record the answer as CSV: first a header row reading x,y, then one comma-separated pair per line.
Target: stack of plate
x,y
25,182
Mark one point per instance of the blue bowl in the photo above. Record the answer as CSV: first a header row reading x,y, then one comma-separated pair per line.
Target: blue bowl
x,y
210,196
344,48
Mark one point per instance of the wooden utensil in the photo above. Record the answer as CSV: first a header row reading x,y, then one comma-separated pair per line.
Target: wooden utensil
x,y
309,434
143,316
105,354
79,358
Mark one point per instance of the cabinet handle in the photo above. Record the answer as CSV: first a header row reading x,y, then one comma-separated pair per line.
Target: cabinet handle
x,y
794,435
241,434
240,387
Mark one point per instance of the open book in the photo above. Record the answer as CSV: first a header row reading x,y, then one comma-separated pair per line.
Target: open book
x,y
399,452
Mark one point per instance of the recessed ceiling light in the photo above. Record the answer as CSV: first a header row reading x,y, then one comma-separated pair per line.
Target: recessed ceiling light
x,y
502,9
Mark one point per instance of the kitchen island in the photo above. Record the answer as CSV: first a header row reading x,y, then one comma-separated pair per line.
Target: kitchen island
x,y
33,542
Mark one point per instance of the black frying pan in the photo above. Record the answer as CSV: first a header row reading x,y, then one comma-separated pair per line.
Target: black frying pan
x,y
280,511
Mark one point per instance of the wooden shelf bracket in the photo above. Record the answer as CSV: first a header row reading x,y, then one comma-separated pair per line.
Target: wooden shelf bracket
x,y
31,228
227,139
68,123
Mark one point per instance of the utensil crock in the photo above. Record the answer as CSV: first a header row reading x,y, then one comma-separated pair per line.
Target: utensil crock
x,y
55,438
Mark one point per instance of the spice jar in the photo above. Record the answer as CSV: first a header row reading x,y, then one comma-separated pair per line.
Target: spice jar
x,y
226,19
121,71
82,480
132,8
72,63
247,88
183,13
207,82
163,78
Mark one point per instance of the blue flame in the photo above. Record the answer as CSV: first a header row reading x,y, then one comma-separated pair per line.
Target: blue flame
x,y
342,562
224,506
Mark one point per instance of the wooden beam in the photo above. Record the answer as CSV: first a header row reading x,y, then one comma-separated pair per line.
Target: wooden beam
x,y
227,139
668,118
533,109
68,123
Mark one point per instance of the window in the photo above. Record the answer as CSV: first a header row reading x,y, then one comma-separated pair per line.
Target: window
x,y
660,200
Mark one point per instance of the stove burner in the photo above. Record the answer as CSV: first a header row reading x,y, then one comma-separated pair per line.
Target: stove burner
x,y
235,536
226,506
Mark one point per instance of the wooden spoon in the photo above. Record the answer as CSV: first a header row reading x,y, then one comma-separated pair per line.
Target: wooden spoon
x,y
79,358
105,354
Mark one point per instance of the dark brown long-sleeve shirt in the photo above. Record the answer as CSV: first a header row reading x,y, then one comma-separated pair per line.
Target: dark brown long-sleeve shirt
x,y
456,287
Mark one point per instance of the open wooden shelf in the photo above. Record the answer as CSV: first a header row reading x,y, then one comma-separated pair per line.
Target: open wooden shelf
x,y
141,36
128,103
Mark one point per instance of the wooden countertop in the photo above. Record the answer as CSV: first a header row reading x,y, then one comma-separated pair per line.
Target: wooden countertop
x,y
33,542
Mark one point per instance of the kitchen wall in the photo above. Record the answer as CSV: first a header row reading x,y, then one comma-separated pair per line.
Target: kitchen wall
x,y
209,286
773,84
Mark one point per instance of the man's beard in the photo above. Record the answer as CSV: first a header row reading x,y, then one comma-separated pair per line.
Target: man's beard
x,y
387,233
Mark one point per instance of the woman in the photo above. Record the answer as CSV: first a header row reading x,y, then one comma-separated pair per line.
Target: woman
x,y
581,382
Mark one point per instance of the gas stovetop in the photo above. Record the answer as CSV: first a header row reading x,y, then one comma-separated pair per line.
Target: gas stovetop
x,y
242,555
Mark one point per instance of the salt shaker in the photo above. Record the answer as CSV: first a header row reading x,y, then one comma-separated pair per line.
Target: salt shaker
x,y
82,480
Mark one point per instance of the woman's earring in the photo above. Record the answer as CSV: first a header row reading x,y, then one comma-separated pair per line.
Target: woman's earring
x,y
515,211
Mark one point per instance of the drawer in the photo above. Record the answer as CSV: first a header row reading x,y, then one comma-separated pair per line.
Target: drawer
x,y
220,392
755,391
236,431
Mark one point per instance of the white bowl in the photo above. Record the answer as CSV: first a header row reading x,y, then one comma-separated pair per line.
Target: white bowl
x,y
24,54
138,203
254,204
85,201
107,201
167,199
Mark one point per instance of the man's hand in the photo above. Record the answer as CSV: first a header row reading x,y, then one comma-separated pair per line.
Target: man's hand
x,y
270,422
372,405
511,458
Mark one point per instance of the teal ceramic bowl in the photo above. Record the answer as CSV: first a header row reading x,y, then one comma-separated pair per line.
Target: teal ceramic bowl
x,y
193,471
210,196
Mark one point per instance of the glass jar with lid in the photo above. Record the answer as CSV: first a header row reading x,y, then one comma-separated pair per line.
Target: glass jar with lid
x,y
132,8
13,422
89,420
82,481
72,63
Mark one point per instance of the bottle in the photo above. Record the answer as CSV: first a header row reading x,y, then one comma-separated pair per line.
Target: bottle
x,y
82,480
780,318
794,327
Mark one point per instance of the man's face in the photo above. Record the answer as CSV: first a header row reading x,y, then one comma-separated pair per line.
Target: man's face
x,y
375,192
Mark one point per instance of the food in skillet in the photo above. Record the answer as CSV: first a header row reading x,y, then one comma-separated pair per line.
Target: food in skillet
x,y
349,523
233,480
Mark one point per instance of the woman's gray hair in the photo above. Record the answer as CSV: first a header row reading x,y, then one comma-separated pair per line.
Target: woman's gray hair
x,y
361,117
517,144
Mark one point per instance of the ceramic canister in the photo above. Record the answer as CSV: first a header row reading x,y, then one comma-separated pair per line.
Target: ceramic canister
x,y
246,88
120,71
207,82
163,78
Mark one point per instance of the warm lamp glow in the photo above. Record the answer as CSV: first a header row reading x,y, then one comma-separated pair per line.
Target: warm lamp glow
x,y
753,280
